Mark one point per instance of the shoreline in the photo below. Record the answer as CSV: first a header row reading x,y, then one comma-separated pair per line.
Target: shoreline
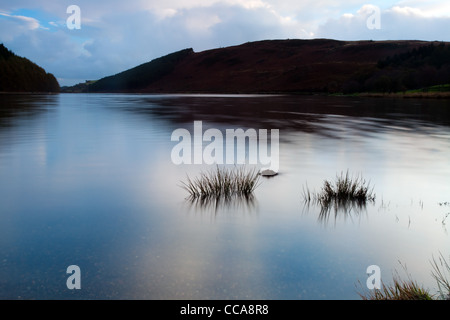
x,y
401,95
416,95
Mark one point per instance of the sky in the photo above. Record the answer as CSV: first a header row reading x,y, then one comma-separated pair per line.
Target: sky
x,y
117,35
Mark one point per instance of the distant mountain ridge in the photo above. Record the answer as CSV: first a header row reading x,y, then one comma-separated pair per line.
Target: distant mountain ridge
x,y
287,66
18,74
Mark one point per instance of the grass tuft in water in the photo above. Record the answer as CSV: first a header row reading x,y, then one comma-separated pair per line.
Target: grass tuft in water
x,y
410,290
344,189
441,273
222,182
399,290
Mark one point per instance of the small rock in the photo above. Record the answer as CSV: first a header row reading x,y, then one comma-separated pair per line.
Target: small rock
x,y
268,172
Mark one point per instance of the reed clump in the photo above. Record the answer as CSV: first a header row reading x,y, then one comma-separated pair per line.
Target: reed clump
x,y
441,273
222,182
345,189
399,290
410,290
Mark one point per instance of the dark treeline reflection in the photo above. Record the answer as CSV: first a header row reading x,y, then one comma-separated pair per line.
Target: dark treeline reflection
x,y
310,114
21,116
23,106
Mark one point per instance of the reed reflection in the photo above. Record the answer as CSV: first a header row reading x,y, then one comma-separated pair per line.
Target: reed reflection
x,y
233,203
347,196
332,211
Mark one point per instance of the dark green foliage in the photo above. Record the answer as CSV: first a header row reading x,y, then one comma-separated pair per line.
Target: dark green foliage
x,y
432,54
140,76
19,74
418,68
5,53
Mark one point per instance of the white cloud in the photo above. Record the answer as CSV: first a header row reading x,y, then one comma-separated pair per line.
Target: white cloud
x,y
430,8
408,11
27,22
200,22
397,23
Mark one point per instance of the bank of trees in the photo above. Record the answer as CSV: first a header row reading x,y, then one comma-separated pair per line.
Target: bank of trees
x,y
19,74
418,68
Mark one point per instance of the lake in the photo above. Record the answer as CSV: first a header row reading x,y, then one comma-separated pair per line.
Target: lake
x,y
88,180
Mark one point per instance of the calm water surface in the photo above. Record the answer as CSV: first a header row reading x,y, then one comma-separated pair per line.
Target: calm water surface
x,y
88,180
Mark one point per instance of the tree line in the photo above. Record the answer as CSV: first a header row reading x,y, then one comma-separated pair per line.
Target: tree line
x,y
415,69
18,74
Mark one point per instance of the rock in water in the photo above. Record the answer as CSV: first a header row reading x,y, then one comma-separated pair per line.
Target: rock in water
x,y
268,172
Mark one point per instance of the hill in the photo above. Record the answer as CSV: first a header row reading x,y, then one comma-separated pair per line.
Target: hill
x,y
288,66
141,76
19,74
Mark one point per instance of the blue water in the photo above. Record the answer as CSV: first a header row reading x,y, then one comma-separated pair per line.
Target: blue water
x,y
88,180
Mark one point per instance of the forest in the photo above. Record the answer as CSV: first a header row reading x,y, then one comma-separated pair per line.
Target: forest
x,y
18,74
418,68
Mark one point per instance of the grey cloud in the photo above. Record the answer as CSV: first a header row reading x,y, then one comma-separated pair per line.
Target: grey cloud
x,y
394,24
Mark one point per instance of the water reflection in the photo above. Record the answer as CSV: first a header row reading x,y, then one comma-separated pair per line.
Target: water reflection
x,y
14,107
331,117
21,115
214,205
105,197
333,210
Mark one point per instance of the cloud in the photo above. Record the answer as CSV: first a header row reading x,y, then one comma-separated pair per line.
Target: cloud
x,y
27,22
429,8
396,23
13,25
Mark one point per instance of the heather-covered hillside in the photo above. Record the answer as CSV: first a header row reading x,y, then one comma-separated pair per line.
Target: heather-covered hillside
x,y
289,66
